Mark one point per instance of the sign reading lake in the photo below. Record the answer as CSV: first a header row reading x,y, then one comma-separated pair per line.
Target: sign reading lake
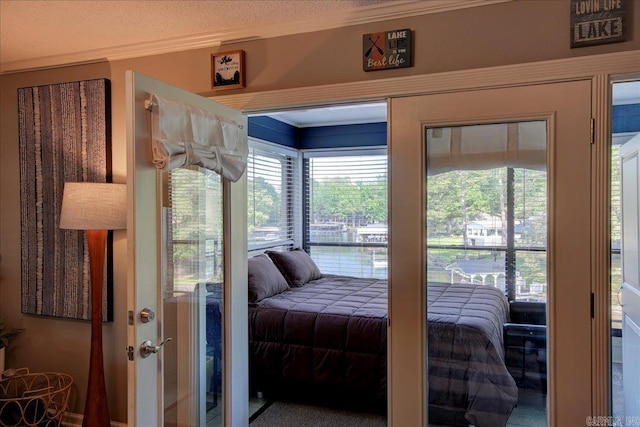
x,y
596,22
386,50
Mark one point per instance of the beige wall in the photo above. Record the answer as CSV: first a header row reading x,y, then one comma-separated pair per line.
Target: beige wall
x,y
48,344
507,33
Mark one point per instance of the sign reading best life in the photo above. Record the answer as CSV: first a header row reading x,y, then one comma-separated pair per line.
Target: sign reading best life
x,y
386,50
596,22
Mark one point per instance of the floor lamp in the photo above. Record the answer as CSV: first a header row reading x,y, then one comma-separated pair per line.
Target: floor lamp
x,y
96,208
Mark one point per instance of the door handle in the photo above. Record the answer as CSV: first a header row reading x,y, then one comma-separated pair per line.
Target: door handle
x,y
618,296
147,347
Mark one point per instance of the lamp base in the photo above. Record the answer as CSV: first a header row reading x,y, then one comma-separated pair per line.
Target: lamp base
x,y
96,410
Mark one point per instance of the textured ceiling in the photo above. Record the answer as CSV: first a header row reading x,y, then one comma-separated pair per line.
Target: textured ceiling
x,y
31,29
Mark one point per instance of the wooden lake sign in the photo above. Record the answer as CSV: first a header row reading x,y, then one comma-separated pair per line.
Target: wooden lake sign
x,y
386,50
596,22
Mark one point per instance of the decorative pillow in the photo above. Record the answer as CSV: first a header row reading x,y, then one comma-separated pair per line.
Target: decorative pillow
x,y
264,279
296,266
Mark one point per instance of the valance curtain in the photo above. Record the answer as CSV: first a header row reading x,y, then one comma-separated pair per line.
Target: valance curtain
x,y
515,145
184,135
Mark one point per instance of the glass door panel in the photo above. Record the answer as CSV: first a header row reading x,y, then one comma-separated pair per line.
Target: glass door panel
x,y
537,253
625,286
486,284
193,298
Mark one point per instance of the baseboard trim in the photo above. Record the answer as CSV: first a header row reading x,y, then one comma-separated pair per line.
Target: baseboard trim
x,y
75,420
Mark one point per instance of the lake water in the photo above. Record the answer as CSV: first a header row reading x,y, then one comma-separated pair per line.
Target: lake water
x,y
351,261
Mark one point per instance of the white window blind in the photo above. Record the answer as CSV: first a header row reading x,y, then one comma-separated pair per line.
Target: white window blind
x,y
185,135
193,227
471,210
616,223
346,212
516,145
274,200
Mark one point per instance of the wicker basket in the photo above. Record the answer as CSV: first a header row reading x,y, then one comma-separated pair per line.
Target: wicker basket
x,y
34,399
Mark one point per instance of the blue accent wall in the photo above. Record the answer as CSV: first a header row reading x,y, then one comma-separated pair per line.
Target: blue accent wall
x,y
625,118
272,130
362,135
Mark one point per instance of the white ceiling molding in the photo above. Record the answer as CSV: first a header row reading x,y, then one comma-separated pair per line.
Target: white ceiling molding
x,y
383,12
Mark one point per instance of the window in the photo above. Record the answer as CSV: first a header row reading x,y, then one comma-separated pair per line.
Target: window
x,y
194,228
274,201
345,215
193,265
616,218
487,207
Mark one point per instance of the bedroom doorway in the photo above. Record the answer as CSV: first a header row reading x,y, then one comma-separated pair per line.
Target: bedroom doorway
x,y
326,192
560,112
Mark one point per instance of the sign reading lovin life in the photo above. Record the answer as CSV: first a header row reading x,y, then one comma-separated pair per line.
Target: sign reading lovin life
x,y
386,50
596,22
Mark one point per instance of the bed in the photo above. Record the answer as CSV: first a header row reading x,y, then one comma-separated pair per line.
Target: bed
x,y
325,337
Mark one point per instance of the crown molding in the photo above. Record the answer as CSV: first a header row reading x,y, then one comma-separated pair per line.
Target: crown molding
x,y
383,12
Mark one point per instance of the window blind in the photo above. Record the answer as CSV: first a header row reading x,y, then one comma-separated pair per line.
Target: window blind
x,y
616,230
345,217
274,200
516,145
186,135
487,207
193,228
498,219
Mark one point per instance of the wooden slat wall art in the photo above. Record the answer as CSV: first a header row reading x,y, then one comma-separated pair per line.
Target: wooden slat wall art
x,y
64,136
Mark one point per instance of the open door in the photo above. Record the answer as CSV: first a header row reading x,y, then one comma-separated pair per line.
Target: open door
x,y
630,185
187,283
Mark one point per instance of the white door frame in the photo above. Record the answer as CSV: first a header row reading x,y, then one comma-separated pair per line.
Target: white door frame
x,y
598,68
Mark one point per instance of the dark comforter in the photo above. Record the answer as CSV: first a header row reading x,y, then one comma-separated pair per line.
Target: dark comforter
x,y
329,338
466,364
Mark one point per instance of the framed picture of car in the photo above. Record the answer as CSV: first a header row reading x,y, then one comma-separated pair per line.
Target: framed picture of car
x,y
227,70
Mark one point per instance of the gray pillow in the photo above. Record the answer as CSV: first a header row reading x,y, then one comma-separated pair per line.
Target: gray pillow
x,y
296,266
264,279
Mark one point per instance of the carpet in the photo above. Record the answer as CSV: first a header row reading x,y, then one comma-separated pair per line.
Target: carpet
x,y
617,392
285,414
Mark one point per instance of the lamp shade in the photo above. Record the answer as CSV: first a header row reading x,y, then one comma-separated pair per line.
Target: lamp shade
x,y
94,206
